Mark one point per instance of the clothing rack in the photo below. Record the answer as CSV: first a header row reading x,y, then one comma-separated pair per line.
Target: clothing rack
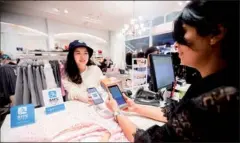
x,y
43,72
50,55
43,57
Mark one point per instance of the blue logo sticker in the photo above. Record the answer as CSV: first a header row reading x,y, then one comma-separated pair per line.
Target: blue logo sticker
x,y
22,115
52,94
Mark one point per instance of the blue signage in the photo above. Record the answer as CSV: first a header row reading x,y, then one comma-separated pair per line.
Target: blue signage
x,y
55,104
22,115
55,108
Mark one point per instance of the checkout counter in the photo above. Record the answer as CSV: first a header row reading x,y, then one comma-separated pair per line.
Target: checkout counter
x,y
48,127
76,114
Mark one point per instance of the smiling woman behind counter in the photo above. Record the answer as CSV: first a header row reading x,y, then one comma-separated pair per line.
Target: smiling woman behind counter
x,y
81,72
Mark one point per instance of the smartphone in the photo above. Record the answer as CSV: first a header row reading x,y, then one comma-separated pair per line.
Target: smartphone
x,y
117,95
97,99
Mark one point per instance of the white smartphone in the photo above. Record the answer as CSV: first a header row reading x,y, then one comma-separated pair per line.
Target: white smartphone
x,y
117,95
97,99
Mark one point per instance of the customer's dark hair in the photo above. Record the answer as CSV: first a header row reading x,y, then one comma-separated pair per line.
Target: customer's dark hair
x,y
71,68
206,16
150,50
140,55
129,58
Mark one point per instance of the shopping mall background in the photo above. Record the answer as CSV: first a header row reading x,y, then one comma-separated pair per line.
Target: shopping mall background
x,y
44,24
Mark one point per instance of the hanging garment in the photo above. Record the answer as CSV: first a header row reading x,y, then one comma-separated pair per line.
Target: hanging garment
x,y
19,87
26,91
36,83
62,74
44,84
32,78
39,85
56,72
49,76
34,99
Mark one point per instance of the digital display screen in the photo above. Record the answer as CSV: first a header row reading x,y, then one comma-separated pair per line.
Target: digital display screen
x,y
163,70
97,99
117,95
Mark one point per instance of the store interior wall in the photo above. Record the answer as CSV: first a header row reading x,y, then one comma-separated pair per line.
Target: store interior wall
x,y
11,39
114,46
24,20
117,50
162,28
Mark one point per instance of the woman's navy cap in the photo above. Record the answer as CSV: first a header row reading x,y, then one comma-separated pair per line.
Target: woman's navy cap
x,y
78,44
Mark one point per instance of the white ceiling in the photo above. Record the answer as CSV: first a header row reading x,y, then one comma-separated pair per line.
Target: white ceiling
x,y
110,15
25,31
21,30
84,37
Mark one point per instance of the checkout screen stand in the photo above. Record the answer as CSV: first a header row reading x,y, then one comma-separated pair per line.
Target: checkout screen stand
x,y
166,94
163,92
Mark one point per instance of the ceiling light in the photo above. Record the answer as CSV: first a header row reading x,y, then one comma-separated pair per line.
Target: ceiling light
x,y
91,20
143,29
180,3
132,21
26,28
140,18
56,9
66,11
136,26
129,32
126,26
187,1
139,32
80,34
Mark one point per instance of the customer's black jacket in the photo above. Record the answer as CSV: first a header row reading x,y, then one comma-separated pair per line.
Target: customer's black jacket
x,y
209,111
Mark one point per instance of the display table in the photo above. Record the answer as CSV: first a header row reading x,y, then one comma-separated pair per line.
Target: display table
x,y
49,127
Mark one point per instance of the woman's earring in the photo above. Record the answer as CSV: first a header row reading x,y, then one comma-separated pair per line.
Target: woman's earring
x,y
212,42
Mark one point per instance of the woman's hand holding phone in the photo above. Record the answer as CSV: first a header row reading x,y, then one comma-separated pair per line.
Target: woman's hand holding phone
x,y
90,100
131,105
113,106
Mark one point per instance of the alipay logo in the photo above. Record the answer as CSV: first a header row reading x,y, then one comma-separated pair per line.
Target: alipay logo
x,y
52,94
22,110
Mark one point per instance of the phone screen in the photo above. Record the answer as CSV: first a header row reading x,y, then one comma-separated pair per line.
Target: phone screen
x,y
117,94
97,99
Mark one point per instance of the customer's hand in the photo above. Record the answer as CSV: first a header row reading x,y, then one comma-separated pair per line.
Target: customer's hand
x,y
11,101
132,106
112,104
90,100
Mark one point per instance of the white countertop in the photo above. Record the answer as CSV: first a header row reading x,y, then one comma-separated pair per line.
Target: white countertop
x,y
47,125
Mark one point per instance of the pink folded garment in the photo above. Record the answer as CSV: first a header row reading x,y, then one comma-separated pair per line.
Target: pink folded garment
x,y
87,132
62,73
54,128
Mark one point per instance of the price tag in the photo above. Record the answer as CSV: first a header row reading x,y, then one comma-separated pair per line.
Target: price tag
x,y
22,115
53,100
